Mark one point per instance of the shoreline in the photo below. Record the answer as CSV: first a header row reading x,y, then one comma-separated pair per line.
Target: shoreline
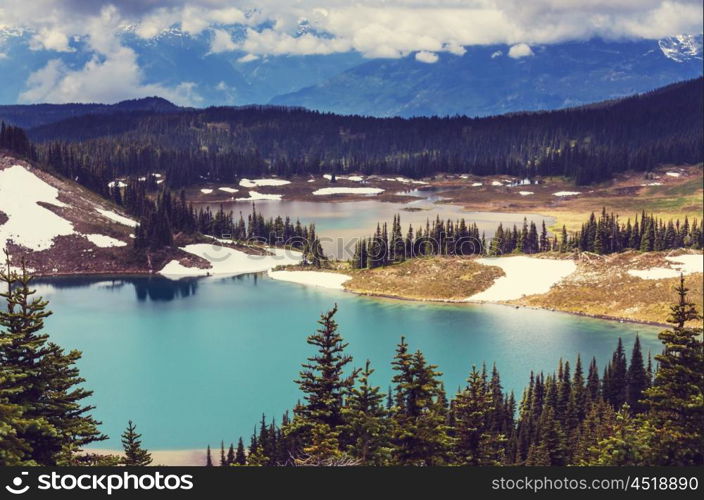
x,y
384,296
457,302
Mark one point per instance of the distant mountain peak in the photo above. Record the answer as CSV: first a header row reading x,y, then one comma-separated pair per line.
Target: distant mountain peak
x,y
682,47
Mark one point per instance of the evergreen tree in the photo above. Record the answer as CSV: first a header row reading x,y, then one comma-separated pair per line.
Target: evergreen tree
x,y
40,379
419,431
675,400
367,427
135,455
474,441
240,456
324,384
230,455
638,380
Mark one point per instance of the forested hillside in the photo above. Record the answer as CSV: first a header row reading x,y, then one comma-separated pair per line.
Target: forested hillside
x,y
587,144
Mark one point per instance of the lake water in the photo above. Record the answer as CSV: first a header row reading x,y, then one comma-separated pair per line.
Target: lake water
x,y
197,361
339,223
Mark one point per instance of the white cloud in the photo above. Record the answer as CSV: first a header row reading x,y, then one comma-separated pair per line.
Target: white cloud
x,y
113,78
50,39
221,42
374,28
247,58
520,50
426,57
496,54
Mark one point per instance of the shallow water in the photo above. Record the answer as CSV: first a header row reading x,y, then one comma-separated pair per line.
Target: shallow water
x,y
197,361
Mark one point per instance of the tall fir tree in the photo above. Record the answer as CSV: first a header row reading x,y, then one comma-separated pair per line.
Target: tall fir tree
x,y
675,402
135,455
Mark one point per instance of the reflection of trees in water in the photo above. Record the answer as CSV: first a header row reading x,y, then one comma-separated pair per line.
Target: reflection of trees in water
x,y
147,288
154,288
158,288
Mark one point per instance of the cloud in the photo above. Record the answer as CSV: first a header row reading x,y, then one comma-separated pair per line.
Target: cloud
x,y
113,79
519,50
221,42
373,28
247,58
50,39
427,57
496,53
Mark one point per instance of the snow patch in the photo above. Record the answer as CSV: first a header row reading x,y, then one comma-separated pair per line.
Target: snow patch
x,y
477,184
496,183
102,241
109,214
254,195
119,184
312,278
347,190
228,261
673,174
567,193
683,264
526,193
228,189
250,183
206,191
524,276
29,224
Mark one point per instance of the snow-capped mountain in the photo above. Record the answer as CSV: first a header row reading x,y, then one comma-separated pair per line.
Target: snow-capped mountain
x,y
485,80
682,48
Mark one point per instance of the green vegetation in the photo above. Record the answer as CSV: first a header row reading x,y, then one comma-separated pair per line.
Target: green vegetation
x,y
43,417
135,455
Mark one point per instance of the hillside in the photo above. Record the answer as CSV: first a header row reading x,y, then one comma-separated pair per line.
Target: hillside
x,y
59,227
34,115
587,144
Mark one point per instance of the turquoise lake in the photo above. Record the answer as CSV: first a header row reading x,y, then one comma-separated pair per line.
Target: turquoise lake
x,y
195,362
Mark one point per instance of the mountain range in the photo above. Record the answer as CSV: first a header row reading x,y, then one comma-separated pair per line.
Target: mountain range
x,y
485,80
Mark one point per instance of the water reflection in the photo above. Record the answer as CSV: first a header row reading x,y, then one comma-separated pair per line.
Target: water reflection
x,y
160,289
146,288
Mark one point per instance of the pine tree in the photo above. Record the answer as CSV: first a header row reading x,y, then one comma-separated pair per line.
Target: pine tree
x,y
366,424
419,433
135,455
615,385
240,456
474,441
323,383
230,455
675,398
208,458
638,380
41,379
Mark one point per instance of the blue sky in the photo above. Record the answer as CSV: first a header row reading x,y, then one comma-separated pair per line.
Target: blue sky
x,y
92,50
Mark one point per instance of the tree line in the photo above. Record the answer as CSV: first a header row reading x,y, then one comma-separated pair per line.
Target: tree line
x,y
15,139
603,235
631,413
588,144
